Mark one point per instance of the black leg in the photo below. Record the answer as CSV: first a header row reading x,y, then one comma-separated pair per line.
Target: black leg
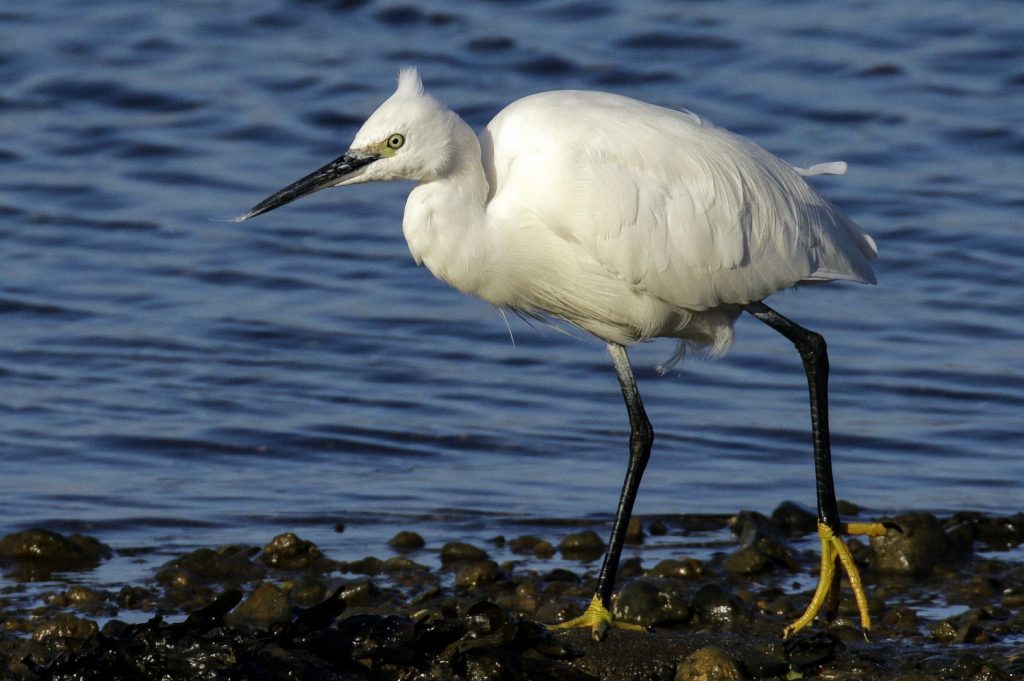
x,y
641,437
813,352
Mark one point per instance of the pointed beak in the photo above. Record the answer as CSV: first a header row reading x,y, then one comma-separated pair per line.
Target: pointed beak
x,y
327,176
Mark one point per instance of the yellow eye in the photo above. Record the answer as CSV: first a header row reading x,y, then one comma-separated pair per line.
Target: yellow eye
x,y
396,141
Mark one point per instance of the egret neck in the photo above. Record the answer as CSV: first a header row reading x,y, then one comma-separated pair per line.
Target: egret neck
x,y
445,221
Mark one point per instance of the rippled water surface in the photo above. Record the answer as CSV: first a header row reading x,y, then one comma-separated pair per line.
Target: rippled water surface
x,y
170,379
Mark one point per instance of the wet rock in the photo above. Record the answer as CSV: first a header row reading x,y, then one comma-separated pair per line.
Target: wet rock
x,y
544,549
708,664
582,546
561,575
288,552
915,548
987,673
964,628
751,527
635,531
713,605
944,632
137,598
402,564
83,599
809,652
658,528
183,589
528,544
415,625
757,531
900,617
227,565
994,533
264,606
476,574
686,568
407,541
370,565
847,507
306,591
966,666
1001,534
461,552
747,561
37,553
362,592
64,630
631,567
795,520
526,598
652,602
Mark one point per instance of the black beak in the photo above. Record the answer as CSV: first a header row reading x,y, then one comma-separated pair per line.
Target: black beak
x,y
319,179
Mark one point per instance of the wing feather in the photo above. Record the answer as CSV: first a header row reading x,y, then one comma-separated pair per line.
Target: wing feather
x,y
688,212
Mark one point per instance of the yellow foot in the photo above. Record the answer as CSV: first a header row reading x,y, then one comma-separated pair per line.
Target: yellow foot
x,y
598,619
834,550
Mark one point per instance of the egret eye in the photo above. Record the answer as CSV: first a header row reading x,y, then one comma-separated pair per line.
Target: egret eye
x,y
396,141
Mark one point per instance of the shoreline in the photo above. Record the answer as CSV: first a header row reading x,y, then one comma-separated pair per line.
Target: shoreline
x,y
946,595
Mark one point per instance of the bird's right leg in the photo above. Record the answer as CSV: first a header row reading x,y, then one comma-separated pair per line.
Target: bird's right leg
x,y
598,616
834,551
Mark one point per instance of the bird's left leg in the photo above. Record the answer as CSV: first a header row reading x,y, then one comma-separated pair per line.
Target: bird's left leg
x,y
598,617
834,551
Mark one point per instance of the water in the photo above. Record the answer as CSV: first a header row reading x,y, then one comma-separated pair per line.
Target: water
x,y
171,381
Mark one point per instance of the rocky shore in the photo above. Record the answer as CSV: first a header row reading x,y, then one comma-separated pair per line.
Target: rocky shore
x,y
946,594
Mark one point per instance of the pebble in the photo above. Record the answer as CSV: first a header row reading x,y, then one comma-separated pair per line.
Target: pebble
x,y
477,574
370,565
137,598
407,540
361,592
915,549
713,605
652,602
528,544
847,507
794,519
757,531
746,561
583,546
461,552
526,598
225,565
402,564
64,626
306,591
635,531
686,568
561,575
288,552
264,606
37,553
83,599
708,664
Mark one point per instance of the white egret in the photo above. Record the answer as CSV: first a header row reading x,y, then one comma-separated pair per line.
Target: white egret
x,y
629,221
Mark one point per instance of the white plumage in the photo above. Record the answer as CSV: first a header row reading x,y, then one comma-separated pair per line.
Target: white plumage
x,y
628,220
675,222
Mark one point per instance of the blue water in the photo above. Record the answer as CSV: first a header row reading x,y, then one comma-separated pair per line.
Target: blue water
x,y
171,380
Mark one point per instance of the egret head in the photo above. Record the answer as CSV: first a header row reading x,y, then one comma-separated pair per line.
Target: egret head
x,y
408,137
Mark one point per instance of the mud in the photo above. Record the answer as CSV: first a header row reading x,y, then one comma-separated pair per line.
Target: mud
x,y
947,596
